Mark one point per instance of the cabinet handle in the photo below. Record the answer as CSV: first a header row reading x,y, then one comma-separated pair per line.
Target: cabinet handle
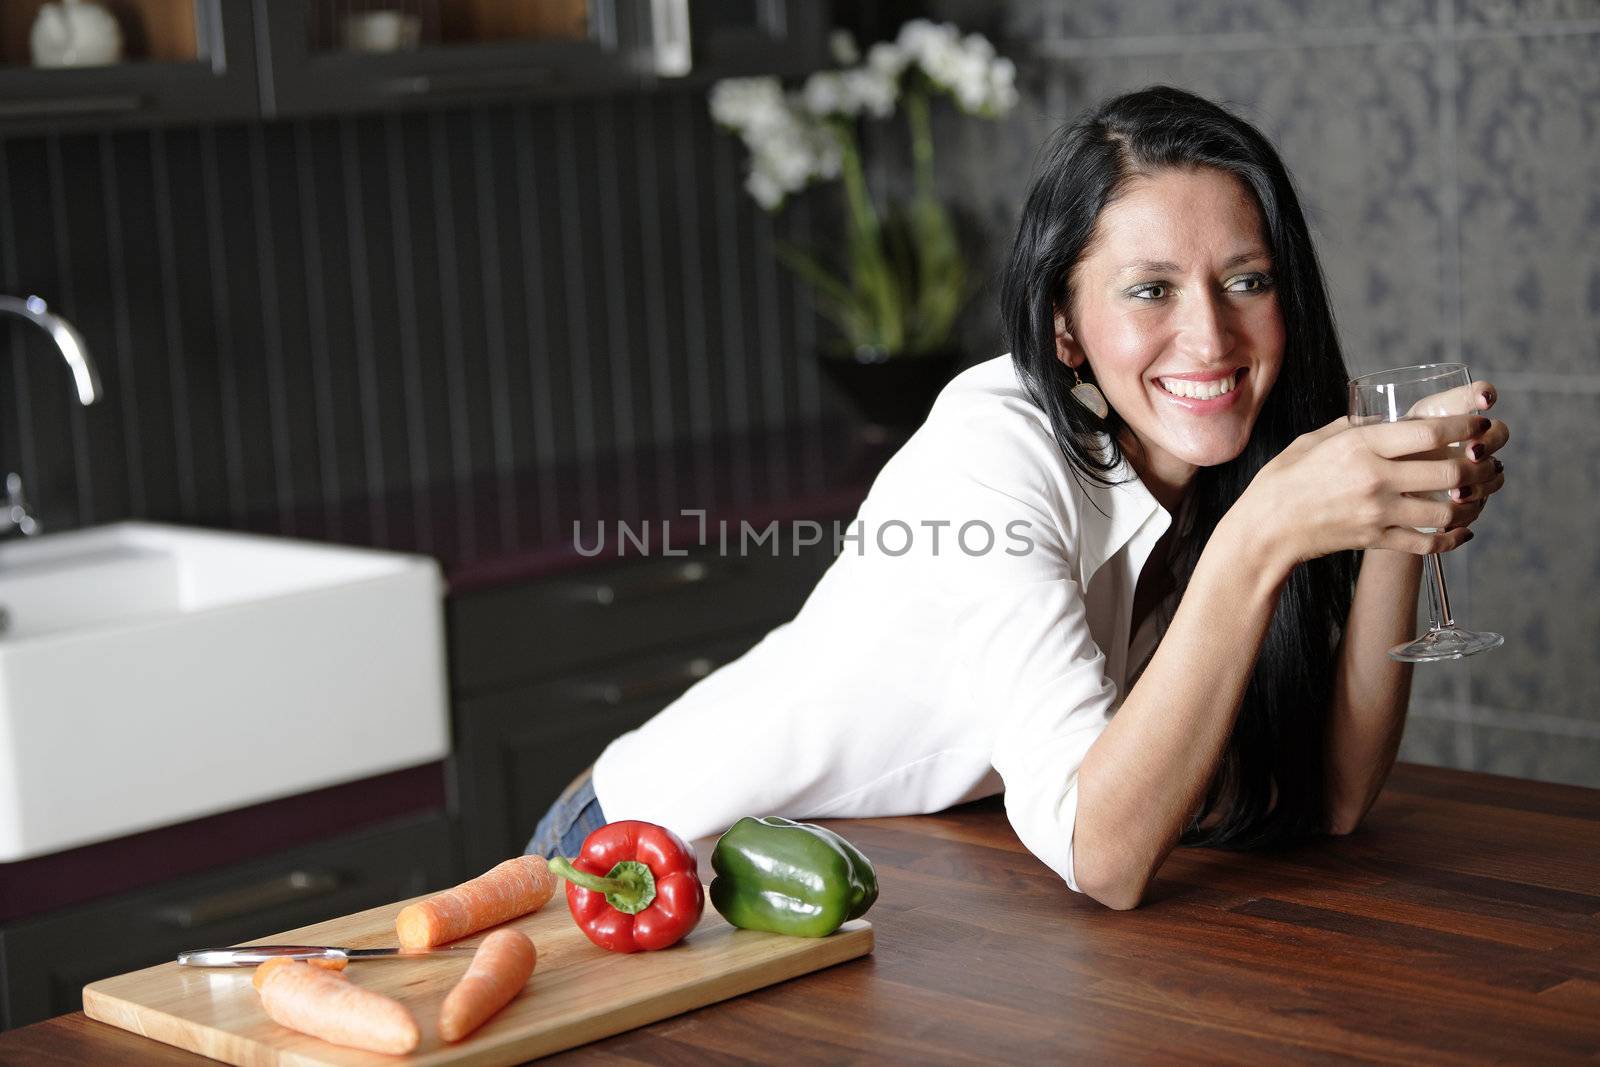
x,y
622,690
471,81
247,900
66,106
639,586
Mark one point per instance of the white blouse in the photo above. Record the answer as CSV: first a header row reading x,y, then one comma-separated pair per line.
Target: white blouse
x,y
935,662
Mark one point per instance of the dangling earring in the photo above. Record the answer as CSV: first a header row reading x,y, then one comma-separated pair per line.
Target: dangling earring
x,y
1089,395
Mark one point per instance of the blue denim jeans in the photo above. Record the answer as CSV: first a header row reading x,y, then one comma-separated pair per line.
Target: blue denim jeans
x,y
574,816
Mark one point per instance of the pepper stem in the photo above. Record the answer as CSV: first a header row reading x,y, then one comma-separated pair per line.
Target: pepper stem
x,y
629,887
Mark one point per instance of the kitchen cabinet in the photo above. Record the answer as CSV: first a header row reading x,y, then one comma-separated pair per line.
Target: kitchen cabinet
x,y
322,56
183,60
211,60
548,672
46,960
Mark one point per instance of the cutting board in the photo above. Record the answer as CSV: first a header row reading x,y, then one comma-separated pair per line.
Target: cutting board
x,y
578,992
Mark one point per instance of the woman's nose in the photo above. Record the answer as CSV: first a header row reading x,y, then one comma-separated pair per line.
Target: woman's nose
x,y
1203,330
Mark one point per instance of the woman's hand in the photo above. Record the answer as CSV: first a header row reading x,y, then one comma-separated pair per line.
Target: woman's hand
x,y
1377,486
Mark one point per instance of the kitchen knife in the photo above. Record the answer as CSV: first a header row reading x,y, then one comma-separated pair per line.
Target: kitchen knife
x,y
250,955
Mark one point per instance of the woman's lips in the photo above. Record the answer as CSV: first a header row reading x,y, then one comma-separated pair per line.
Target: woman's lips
x,y
1206,407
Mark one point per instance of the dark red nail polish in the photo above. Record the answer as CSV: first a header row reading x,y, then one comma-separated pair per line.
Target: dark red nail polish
x,y
1499,467
1469,537
1474,452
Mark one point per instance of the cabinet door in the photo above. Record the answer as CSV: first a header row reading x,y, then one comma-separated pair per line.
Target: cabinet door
x,y
323,56
554,626
516,751
740,37
46,961
181,60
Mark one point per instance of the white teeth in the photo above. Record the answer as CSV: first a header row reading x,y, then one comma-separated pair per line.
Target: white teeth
x,y
1198,390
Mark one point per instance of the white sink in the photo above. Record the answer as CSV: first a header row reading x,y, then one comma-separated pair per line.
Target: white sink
x,y
152,674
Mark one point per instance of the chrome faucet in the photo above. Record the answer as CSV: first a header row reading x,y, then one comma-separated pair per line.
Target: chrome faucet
x,y
14,513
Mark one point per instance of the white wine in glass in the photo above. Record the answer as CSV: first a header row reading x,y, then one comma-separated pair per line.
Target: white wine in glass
x,y
1421,392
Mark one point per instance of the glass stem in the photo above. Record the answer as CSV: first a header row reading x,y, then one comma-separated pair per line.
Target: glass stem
x,y
1438,594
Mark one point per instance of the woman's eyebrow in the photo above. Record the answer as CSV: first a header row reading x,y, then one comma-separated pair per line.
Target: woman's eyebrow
x,y
1159,266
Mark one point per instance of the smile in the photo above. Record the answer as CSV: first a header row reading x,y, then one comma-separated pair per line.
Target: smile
x,y
1208,389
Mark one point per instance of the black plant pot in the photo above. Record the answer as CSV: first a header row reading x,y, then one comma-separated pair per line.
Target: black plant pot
x,y
892,392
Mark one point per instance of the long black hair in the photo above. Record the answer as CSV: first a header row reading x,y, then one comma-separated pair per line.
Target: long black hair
x,y
1279,736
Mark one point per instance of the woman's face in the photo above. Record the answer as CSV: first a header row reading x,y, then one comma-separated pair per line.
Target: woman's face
x,y
1173,304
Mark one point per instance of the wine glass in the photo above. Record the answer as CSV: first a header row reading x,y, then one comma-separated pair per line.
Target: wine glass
x,y
1420,392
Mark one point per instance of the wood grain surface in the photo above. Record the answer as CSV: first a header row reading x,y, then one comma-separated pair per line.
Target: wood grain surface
x,y
1459,925
578,992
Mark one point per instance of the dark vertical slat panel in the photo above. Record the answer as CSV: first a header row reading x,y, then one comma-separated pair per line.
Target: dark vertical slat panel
x,y
474,367
317,332
173,329
277,398
416,146
773,356
67,287
499,399
386,315
541,387
20,453
579,352
619,297
361,319
731,306
444,197
222,326
652,265
249,415
146,398
126,400
405,288
342,375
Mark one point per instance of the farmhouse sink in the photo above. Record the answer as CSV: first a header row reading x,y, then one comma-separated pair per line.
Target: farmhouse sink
x,y
153,674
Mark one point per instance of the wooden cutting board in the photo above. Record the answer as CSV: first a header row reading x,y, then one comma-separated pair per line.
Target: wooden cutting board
x,y
578,992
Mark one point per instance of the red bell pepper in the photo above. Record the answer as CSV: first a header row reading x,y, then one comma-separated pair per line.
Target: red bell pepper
x,y
634,885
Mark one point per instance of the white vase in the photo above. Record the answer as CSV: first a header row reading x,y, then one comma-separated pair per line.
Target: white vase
x,y
75,33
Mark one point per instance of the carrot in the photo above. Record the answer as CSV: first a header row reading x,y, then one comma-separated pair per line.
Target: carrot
x,y
508,890
264,969
315,1002
499,970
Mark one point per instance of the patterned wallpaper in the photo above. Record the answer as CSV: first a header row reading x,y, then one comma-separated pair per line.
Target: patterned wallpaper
x,y
1448,152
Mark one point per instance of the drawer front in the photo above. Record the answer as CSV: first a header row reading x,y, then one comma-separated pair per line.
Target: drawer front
x,y
516,751
549,627
46,961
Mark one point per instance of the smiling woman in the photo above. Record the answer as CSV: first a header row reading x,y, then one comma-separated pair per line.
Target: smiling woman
x,y
1124,584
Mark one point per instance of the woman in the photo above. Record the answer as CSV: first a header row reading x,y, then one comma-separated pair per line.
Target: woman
x,y
1130,681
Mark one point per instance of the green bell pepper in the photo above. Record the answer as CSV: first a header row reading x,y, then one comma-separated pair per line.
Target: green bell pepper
x,y
790,878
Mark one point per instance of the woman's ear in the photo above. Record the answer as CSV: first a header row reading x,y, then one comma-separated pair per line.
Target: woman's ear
x,y
1068,351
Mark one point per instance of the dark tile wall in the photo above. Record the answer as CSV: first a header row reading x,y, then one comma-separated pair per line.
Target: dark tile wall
x,y
295,319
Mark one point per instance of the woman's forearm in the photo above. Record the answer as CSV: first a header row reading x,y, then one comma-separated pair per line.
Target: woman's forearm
x,y
1147,772
1371,691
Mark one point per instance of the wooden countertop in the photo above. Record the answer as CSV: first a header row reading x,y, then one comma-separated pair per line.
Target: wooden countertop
x,y
1459,925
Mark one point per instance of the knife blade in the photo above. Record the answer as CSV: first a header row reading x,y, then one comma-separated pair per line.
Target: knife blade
x,y
250,955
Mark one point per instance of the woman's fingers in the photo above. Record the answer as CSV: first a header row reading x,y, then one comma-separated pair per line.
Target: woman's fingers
x,y
1494,438
1422,512
1411,437
1478,396
1403,539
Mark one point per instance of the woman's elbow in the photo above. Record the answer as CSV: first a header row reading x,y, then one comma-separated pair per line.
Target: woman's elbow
x,y
1118,894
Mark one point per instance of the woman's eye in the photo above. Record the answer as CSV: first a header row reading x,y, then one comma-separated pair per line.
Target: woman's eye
x,y
1153,291
1249,283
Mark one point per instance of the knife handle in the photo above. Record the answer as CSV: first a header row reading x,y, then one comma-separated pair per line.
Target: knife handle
x,y
250,955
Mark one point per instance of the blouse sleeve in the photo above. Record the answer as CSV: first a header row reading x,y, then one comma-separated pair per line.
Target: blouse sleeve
x,y
1025,655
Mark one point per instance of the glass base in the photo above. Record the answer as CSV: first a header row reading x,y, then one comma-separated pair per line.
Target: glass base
x,y
1449,643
